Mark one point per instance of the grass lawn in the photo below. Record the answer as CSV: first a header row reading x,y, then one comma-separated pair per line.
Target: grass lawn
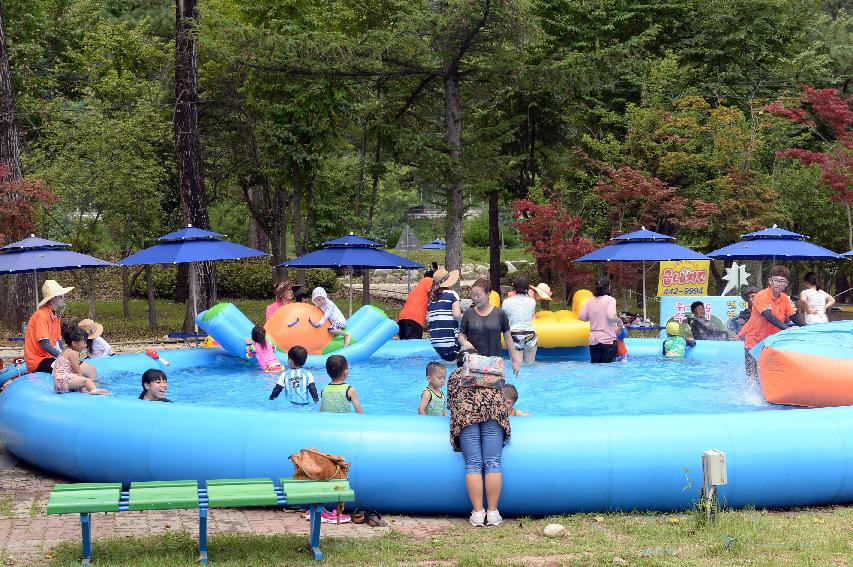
x,y
749,537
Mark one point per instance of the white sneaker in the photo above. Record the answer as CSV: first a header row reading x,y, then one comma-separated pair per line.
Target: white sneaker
x,y
493,518
477,519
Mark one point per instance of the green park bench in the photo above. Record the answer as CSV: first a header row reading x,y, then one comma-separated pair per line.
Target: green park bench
x,y
88,498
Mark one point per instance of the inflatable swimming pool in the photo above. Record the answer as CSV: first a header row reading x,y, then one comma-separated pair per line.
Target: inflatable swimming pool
x,y
404,463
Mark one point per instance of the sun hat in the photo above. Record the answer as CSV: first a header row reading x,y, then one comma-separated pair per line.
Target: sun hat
x,y
51,289
280,288
673,328
93,330
443,278
543,290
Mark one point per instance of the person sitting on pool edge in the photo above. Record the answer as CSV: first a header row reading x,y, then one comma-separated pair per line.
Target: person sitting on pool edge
x,y
675,346
154,386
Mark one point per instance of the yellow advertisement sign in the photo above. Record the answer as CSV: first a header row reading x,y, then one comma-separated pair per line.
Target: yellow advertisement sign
x,y
684,277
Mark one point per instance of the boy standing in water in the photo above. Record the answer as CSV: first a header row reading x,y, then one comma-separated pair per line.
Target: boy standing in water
x,y
339,397
432,398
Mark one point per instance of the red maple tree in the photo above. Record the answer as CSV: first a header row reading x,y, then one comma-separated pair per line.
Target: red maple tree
x,y
640,200
827,115
21,202
554,238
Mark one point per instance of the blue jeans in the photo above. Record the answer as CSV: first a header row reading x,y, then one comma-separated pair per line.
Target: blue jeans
x,y
481,445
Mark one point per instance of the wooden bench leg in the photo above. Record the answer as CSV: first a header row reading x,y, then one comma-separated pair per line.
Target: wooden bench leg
x,y
86,537
314,535
202,536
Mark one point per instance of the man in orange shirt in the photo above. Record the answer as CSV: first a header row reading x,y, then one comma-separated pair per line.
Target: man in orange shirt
x,y
771,311
414,312
43,340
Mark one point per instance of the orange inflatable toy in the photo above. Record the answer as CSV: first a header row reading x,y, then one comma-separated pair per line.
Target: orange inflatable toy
x,y
289,327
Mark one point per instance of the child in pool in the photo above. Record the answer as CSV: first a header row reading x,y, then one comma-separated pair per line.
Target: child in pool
x,y
331,313
154,386
675,346
263,351
510,397
339,397
432,398
296,382
66,368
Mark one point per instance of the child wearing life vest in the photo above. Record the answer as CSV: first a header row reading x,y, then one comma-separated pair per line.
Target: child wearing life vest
x,y
339,397
263,351
432,398
296,382
675,346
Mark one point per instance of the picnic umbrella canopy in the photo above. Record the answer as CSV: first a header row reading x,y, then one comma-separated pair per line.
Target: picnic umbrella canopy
x,y
353,252
642,246
772,243
35,254
190,245
437,244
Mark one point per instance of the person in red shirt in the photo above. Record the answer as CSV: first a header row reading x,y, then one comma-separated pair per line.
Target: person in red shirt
x,y
43,339
414,312
771,311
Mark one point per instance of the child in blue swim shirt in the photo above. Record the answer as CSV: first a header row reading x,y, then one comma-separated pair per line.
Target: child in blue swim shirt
x,y
296,381
675,346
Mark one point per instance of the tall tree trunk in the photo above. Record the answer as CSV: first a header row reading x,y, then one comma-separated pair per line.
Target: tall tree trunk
x,y
494,242
374,188
298,238
90,285
359,185
849,225
257,237
19,292
281,203
125,292
365,286
149,292
453,139
187,147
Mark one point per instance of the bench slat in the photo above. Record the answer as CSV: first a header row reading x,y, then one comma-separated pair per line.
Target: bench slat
x,y
83,500
316,491
163,495
235,493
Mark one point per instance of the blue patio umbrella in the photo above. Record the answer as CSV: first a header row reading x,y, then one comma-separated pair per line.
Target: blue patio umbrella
x,y
437,244
641,246
190,245
772,243
848,254
35,254
352,252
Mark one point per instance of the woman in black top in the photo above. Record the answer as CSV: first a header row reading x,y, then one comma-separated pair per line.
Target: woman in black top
x,y
483,324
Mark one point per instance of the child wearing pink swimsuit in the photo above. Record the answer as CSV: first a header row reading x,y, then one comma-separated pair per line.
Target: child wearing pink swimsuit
x,y
263,351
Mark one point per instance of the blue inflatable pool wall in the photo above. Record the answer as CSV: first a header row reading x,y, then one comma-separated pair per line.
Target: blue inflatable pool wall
x,y
405,463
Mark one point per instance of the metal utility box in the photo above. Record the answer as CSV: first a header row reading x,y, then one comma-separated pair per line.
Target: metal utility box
x,y
714,468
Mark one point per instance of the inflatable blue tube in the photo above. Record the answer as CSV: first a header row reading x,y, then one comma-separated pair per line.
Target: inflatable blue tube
x,y
775,458
228,326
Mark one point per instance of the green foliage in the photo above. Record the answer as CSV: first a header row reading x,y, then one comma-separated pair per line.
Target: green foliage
x,y
476,233
229,218
318,277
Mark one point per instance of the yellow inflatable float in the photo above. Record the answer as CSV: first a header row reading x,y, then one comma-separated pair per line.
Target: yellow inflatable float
x,y
559,329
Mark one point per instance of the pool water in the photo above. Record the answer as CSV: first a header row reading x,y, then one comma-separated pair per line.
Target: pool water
x,y
635,387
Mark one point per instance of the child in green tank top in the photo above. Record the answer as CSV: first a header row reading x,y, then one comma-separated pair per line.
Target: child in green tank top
x,y
432,398
339,397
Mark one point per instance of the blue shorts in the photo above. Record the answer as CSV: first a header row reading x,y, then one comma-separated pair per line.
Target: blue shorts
x,y
481,445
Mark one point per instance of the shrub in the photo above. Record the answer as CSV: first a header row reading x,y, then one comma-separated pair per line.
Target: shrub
x,y
164,283
244,279
319,277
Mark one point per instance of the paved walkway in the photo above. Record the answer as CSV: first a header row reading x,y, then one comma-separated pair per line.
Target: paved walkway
x,y
27,534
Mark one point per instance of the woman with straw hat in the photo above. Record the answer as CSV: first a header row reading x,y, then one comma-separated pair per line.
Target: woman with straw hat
x,y
283,292
444,313
43,339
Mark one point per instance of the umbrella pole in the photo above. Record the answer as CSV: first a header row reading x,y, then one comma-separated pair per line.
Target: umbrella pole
x,y
350,290
645,318
35,291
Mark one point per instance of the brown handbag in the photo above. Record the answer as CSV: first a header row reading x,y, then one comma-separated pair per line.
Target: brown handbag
x,y
311,464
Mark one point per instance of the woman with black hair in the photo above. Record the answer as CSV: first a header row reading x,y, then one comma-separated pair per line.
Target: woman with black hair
x,y
816,301
600,311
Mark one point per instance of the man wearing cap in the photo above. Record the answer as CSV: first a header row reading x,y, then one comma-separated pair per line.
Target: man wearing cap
x,y
43,340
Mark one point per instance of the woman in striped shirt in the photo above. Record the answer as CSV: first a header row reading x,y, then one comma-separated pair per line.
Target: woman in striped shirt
x,y
444,314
